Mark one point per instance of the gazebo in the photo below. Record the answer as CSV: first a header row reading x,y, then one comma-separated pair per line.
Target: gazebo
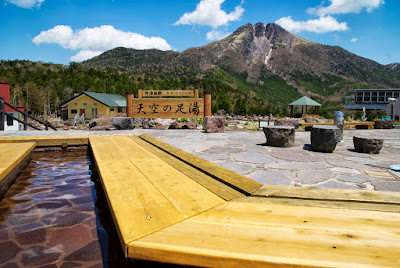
x,y
304,102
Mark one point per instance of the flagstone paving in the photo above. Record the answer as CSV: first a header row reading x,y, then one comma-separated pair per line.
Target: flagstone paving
x,y
245,152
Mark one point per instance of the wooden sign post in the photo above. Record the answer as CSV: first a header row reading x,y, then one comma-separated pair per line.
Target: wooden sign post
x,y
160,106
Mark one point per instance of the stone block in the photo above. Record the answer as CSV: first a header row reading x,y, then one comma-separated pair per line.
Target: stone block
x,y
123,123
383,124
214,124
367,145
324,138
287,122
279,136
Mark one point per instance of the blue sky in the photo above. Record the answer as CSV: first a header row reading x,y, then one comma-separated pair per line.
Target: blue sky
x,y
61,31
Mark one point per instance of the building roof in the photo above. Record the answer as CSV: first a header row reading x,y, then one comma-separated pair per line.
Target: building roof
x,y
305,101
110,100
377,89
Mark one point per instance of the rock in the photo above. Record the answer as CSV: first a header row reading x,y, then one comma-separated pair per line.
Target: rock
x,y
324,138
106,120
101,128
383,124
190,125
279,136
287,122
214,124
121,123
367,145
175,125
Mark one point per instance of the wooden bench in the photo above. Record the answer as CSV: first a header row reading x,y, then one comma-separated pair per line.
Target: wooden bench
x,y
367,124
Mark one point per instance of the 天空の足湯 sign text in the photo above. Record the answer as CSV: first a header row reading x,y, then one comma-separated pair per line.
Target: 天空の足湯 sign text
x,y
160,106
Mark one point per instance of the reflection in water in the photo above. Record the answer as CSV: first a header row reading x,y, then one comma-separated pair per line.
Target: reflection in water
x,y
48,216
56,215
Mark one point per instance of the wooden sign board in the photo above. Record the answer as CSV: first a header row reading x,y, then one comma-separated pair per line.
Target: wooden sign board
x,y
168,108
167,93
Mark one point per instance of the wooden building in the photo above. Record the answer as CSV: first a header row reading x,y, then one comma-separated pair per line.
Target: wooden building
x,y
93,105
9,122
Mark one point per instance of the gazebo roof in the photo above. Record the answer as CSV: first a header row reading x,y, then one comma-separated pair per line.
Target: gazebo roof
x,y
305,101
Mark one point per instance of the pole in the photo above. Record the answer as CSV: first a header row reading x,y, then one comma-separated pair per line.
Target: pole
x,y
2,106
207,103
129,103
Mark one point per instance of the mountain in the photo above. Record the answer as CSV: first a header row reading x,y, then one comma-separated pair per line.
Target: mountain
x,y
394,66
254,56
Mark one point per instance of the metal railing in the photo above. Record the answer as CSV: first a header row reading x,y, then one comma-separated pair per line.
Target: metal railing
x,y
3,104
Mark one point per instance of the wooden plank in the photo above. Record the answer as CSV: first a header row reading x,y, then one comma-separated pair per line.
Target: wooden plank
x,y
11,154
329,194
138,208
248,233
218,188
168,108
325,203
230,178
186,195
49,141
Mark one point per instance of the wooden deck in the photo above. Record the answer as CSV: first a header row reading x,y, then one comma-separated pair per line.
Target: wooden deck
x,y
171,206
369,125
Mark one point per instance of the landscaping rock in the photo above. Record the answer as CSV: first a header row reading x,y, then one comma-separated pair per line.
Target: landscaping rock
x,y
106,120
101,128
121,123
214,124
175,125
279,136
324,138
190,125
383,124
367,145
287,122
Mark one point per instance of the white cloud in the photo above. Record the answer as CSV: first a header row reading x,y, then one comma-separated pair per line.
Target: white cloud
x,y
209,12
26,3
345,7
85,55
355,39
321,25
93,41
216,35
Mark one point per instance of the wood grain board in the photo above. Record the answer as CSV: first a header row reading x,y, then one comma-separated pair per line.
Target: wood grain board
x,y
11,154
49,141
144,193
230,178
255,232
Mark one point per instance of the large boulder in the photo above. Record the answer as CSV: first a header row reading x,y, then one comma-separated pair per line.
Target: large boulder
x,y
383,124
287,122
324,138
367,145
106,120
214,124
279,136
122,123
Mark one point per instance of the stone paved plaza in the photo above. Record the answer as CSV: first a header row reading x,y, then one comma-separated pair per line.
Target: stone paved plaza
x,y
245,152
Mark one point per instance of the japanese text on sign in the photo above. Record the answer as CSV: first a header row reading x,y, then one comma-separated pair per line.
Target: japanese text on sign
x,y
168,108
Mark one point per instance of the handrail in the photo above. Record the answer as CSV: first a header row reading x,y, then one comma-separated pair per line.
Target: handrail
x,y
26,115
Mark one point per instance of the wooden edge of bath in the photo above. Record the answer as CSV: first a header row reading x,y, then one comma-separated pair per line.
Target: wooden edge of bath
x,y
48,141
230,178
215,186
329,194
17,157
